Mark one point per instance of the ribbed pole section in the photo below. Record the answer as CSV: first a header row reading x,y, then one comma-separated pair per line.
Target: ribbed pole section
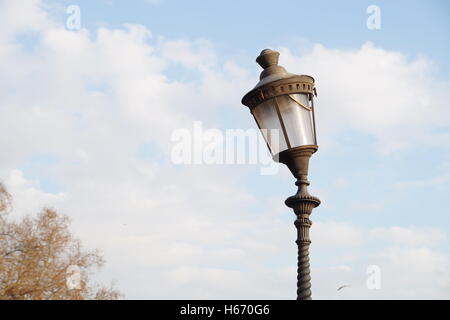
x,y
303,204
303,271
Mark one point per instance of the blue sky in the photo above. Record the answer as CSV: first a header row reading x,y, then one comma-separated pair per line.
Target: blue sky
x,y
91,113
413,27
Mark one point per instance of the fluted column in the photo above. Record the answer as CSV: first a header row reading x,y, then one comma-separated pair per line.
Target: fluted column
x,y
303,203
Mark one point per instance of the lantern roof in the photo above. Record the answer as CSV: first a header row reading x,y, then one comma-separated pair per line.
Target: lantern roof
x,y
275,81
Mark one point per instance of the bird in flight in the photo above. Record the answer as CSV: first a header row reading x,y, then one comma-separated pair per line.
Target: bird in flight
x,y
342,287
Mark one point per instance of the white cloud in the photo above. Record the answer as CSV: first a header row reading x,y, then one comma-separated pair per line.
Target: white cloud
x,y
423,183
22,16
197,54
27,196
341,268
414,273
91,99
409,236
384,94
337,234
410,268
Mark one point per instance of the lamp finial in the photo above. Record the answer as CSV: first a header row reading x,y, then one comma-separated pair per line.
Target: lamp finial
x,y
267,58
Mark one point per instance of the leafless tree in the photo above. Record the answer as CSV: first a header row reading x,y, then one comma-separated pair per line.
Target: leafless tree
x,y
41,260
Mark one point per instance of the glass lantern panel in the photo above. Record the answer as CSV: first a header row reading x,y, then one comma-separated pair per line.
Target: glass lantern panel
x,y
296,112
267,117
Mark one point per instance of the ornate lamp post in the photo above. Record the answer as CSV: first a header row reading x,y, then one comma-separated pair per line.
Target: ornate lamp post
x,y
283,103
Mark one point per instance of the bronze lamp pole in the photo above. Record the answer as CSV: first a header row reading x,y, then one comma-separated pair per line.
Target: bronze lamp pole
x,y
282,105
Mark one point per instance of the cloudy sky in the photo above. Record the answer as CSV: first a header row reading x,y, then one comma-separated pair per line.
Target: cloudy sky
x,y
87,117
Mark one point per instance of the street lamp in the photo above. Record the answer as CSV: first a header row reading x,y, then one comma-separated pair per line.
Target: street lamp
x,y
282,104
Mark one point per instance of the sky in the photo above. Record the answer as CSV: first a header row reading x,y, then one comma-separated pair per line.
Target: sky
x,y
88,114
